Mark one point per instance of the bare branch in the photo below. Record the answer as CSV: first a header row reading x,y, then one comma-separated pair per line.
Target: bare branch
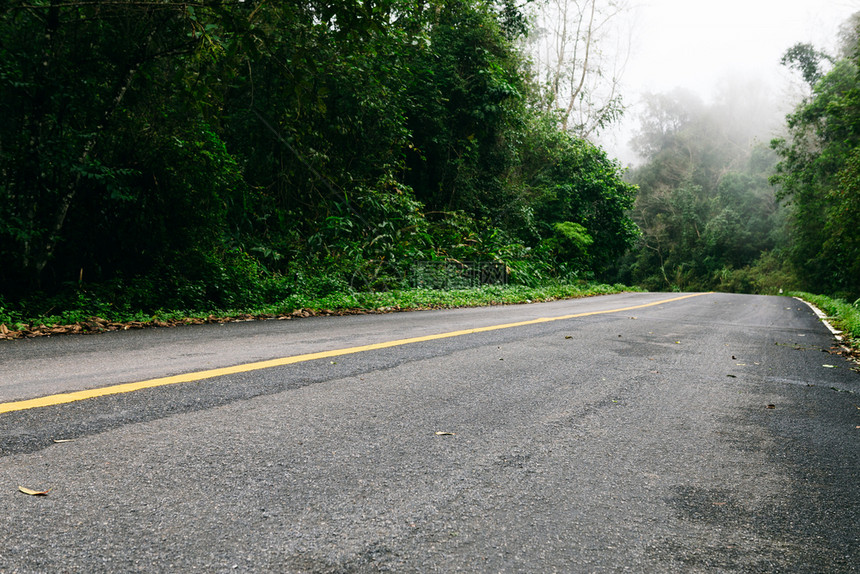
x,y
572,66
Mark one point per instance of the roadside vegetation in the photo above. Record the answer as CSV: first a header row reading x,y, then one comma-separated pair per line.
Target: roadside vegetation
x,y
189,161
844,316
195,156
91,315
725,205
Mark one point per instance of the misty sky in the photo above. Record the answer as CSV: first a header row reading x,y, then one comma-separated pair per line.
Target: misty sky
x,y
698,44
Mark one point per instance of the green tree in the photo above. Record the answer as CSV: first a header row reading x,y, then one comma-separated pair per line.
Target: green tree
x,y
705,207
807,60
575,184
202,154
816,178
94,96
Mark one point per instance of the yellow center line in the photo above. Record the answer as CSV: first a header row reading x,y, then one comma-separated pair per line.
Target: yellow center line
x,y
71,397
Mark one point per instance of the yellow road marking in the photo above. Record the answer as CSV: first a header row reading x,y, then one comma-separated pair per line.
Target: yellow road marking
x,y
71,397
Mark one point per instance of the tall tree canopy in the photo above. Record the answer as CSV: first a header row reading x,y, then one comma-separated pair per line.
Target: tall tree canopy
x,y
818,170
718,210
705,207
180,151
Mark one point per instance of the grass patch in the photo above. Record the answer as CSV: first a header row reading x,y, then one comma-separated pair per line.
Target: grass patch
x,y
89,314
407,299
842,315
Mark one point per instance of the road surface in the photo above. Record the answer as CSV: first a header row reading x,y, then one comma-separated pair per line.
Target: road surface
x,y
627,433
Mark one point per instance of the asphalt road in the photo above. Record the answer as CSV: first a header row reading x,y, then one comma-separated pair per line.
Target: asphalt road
x,y
714,433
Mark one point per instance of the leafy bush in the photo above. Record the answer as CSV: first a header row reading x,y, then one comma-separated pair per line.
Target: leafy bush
x,y
8,317
772,274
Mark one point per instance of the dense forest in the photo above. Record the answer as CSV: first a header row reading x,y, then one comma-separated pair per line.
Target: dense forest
x,y
724,205
219,154
224,154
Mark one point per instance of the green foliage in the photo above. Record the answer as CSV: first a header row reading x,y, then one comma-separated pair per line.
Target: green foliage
x,y
843,315
567,180
8,316
68,83
709,218
314,297
161,157
573,237
705,207
807,60
818,177
772,274
465,95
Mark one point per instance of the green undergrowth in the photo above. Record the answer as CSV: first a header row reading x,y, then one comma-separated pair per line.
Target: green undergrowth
x,y
842,315
431,298
87,307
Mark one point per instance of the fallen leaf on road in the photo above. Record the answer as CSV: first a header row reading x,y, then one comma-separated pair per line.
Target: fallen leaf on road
x,y
59,440
32,492
444,433
568,337
771,406
829,366
732,376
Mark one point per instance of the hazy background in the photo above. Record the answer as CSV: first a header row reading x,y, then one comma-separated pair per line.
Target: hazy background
x,y
706,47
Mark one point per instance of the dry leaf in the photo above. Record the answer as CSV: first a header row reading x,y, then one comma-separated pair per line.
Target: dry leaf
x,y
444,433
771,406
59,440
32,492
